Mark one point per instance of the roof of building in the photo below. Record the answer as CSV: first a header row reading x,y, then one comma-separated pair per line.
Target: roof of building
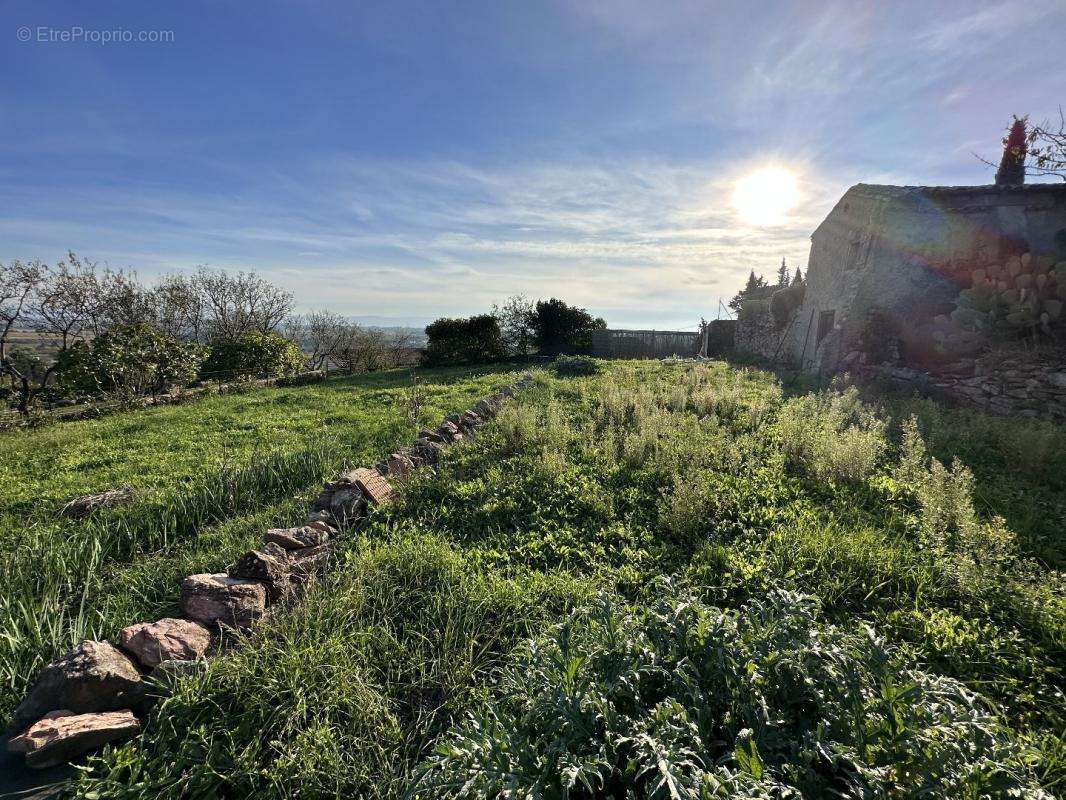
x,y
945,195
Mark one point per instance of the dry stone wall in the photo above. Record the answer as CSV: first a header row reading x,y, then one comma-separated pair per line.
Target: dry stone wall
x,y
95,694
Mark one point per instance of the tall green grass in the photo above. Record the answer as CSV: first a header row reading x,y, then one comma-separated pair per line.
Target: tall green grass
x,y
198,469
704,474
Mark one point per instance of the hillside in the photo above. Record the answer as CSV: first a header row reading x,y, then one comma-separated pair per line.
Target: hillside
x,y
676,578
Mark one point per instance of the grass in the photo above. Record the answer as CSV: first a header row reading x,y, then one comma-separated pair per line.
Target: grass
x,y
671,578
210,475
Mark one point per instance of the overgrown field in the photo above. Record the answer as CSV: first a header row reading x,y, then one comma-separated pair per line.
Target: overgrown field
x,y
663,581
210,476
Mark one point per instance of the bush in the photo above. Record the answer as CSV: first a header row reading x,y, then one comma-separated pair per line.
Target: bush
x,y
573,366
134,360
785,302
560,328
252,355
832,435
475,340
683,700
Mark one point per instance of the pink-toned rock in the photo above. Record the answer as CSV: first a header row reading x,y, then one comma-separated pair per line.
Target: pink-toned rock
x,y
63,735
400,465
94,676
165,640
295,538
214,598
374,487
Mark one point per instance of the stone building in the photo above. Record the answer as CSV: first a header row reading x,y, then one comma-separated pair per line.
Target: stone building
x,y
902,254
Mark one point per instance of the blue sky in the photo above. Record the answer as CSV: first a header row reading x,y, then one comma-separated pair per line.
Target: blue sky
x,y
402,161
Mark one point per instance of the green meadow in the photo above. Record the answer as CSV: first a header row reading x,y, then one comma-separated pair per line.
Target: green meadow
x,y
209,475
658,580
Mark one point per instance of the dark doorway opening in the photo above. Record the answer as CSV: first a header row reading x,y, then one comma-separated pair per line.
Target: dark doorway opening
x,y
825,324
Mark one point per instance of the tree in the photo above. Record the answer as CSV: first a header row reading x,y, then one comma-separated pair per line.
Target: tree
x,y
475,340
1012,166
322,335
58,302
782,275
235,304
18,284
798,277
132,361
254,354
755,289
559,328
178,308
1035,150
515,317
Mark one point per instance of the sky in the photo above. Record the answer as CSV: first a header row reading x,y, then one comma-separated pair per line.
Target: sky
x,y
397,162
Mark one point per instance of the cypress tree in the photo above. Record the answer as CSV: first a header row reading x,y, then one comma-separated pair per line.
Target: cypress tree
x,y
1011,170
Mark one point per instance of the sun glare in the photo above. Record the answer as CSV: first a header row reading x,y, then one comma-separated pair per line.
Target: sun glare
x,y
765,197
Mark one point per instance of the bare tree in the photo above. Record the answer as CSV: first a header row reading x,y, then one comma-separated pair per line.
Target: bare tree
x,y
515,317
18,284
322,335
178,308
58,302
240,303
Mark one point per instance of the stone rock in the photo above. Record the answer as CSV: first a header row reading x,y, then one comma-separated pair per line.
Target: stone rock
x,y
62,735
308,562
450,432
372,486
1057,379
167,639
400,466
322,526
269,570
426,451
484,409
94,676
321,516
276,550
295,538
382,468
347,503
472,419
432,436
218,598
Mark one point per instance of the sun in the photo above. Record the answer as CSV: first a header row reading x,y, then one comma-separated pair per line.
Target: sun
x,y
763,198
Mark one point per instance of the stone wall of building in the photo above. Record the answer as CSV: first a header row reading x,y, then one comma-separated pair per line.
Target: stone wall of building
x,y
1006,381
756,335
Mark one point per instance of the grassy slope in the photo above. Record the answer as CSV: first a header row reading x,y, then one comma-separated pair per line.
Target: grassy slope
x,y
613,482
212,474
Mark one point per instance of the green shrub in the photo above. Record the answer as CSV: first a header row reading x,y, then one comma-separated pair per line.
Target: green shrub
x,y
573,366
475,340
252,355
683,700
832,435
135,360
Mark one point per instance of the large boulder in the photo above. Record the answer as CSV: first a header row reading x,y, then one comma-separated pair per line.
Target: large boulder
x,y
94,676
218,598
169,638
295,538
63,735
268,569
